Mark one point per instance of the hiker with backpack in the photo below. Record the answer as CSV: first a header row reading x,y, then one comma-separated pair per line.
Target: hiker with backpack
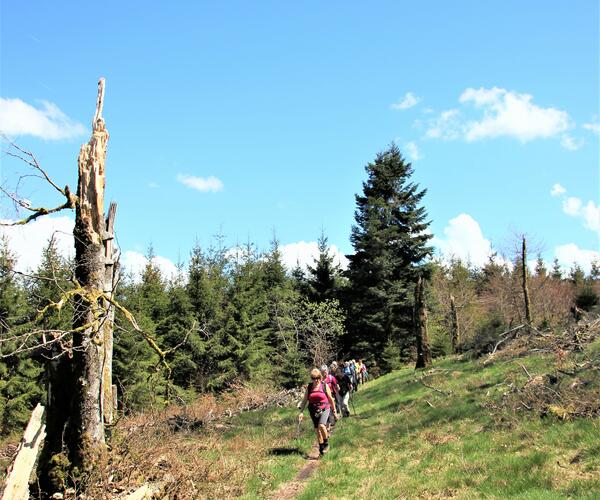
x,y
334,388
320,405
345,385
349,365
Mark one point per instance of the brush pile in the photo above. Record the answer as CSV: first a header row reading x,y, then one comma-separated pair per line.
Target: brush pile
x,y
572,388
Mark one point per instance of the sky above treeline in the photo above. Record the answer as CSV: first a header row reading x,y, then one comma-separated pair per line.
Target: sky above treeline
x,y
249,119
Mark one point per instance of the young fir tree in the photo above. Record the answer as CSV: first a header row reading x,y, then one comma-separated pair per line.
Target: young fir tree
x,y
207,288
324,275
390,243
242,347
134,361
20,374
556,270
300,281
540,267
178,334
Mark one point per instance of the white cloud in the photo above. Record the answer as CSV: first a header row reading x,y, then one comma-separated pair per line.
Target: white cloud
x,y
28,241
18,118
202,184
464,239
572,206
591,216
592,127
589,213
305,253
570,254
511,114
134,263
446,126
413,151
408,101
557,190
501,113
571,143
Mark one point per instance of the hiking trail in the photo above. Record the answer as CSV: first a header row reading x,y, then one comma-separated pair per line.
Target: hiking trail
x,y
291,489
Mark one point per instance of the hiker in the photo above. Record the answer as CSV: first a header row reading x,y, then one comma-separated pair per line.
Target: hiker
x,y
320,404
334,388
345,385
353,376
359,373
365,373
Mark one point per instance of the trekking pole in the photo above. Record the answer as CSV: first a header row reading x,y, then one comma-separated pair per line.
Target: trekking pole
x,y
352,402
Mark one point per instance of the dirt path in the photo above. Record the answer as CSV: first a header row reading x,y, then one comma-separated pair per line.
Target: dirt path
x,y
291,489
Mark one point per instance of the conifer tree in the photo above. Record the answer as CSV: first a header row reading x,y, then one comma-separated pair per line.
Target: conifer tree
x,y
390,243
242,347
177,333
135,362
207,288
20,375
556,270
324,275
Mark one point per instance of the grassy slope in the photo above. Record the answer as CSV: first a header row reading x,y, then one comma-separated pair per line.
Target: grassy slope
x,y
407,441
410,441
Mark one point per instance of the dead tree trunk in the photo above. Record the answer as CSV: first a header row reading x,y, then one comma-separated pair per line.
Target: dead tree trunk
x,y
420,326
524,282
111,276
90,315
75,419
454,328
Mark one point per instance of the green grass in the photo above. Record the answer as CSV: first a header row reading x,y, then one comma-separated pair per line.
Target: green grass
x,y
409,441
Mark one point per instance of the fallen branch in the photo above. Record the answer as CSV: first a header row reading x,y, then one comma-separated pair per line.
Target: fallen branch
x,y
17,480
433,388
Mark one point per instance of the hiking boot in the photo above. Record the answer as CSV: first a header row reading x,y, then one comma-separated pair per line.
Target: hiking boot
x,y
325,448
321,448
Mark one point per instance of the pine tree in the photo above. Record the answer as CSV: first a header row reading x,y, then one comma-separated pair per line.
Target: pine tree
x,y
207,288
242,347
20,375
595,270
299,281
135,363
556,270
324,276
177,334
390,243
540,267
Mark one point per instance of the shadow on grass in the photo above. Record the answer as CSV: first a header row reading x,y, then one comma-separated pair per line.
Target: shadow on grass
x,y
285,451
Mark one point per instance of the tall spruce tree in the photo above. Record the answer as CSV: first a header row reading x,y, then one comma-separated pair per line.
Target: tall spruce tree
x,y
324,275
390,244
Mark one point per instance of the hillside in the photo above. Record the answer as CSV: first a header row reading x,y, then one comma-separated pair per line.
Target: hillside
x,y
514,425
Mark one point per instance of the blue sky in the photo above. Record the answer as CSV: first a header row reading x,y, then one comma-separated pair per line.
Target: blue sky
x,y
249,117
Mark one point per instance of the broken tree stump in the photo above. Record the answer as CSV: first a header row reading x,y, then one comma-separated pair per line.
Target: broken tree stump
x,y
17,480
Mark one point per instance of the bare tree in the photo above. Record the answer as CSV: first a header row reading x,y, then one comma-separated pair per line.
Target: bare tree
x,y
454,325
420,326
524,281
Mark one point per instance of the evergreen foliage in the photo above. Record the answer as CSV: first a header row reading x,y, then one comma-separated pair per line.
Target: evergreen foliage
x,y
20,375
390,244
324,276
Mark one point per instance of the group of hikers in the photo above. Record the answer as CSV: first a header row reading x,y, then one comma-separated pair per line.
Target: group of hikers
x,y
328,396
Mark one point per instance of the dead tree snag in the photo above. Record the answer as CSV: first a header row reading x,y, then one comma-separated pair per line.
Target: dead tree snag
x,y
524,282
420,326
454,326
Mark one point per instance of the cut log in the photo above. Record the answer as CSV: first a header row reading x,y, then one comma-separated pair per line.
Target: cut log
x,y
17,481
